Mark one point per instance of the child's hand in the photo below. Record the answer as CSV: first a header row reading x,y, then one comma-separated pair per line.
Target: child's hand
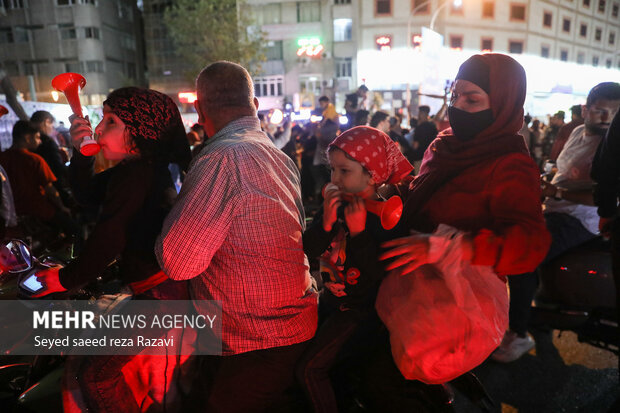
x,y
331,203
355,216
336,289
80,129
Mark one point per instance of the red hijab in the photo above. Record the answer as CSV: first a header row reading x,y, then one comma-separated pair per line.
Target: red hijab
x,y
447,155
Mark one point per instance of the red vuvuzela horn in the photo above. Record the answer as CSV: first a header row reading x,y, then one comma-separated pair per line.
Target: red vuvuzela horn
x,y
70,84
388,211
3,111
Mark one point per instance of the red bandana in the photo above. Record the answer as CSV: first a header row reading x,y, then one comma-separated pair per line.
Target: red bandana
x,y
376,152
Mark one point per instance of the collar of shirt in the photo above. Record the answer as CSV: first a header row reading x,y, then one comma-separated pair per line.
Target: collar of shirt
x,y
245,122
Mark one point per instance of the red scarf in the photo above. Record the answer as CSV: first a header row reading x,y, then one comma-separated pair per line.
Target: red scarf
x,y
447,156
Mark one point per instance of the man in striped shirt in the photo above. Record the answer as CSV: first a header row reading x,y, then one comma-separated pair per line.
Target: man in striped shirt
x,y
235,231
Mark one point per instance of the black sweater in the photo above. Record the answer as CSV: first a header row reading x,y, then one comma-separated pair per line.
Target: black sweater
x,y
361,254
606,171
134,198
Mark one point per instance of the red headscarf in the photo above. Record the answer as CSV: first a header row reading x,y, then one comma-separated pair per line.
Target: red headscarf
x,y
447,155
377,153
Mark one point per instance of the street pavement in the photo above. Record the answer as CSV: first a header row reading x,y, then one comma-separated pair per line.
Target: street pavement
x,y
559,375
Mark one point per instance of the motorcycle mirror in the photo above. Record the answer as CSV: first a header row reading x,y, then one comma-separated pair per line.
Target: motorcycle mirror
x,y
15,257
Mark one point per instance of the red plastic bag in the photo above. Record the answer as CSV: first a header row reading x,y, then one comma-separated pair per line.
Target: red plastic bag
x,y
446,318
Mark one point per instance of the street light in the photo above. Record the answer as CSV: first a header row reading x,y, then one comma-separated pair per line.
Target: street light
x,y
455,3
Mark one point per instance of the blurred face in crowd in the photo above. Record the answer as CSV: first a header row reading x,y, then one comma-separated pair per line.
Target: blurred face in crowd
x,y
323,104
469,97
33,141
111,136
384,125
47,126
597,117
348,175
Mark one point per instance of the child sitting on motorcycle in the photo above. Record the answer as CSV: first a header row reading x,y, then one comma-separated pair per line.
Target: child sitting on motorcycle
x,y
361,160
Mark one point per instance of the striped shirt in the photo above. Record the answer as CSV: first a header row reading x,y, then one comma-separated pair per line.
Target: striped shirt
x,y
236,232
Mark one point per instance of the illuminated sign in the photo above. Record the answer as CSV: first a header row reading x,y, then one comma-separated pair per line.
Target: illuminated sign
x,y
309,46
187,97
384,43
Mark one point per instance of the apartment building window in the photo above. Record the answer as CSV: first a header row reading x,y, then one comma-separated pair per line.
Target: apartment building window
x,y
343,30
517,12
6,35
586,3
544,51
30,67
583,30
20,34
598,34
309,11
614,9
342,1
94,66
267,14
601,6
486,45
91,32
456,41
458,10
608,63
67,31
273,51
564,55
421,6
344,67
594,60
547,18
612,38
515,46
268,86
581,58
11,68
566,25
488,9
383,7
70,2
129,42
12,4
131,71
76,67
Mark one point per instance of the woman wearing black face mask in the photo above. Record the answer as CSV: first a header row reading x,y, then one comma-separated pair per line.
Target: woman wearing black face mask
x,y
478,177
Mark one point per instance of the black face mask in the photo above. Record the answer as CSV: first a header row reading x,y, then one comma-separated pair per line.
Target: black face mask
x,y
466,125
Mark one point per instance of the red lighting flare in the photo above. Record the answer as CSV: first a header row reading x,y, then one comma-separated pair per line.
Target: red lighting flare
x,y
187,97
563,268
592,272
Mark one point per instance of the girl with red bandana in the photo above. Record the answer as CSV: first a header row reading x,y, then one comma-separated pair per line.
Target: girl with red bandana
x,y
361,160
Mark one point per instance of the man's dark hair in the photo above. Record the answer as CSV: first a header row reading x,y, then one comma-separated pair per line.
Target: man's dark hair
x,y
413,122
224,85
560,114
575,110
394,121
377,118
21,129
363,88
196,127
424,108
605,90
527,118
41,116
323,99
360,115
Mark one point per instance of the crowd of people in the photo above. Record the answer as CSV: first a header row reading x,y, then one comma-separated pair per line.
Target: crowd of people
x,y
297,298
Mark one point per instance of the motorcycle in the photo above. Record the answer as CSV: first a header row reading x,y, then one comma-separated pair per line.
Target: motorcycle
x,y
577,293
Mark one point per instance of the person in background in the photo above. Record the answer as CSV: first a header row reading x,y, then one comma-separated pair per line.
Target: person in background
x,y
569,211
329,111
361,117
352,104
565,131
32,181
425,133
196,135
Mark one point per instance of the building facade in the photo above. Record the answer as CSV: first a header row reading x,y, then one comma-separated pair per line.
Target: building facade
x,y
100,39
566,46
